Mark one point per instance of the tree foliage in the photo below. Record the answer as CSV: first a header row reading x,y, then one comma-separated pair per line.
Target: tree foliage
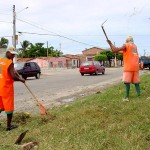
x,y
37,50
105,55
3,42
24,48
119,57
100,57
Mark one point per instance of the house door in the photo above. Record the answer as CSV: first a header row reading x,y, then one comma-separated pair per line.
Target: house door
x,y
51,65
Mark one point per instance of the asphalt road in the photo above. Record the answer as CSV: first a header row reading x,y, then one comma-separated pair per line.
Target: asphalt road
x,y
60,86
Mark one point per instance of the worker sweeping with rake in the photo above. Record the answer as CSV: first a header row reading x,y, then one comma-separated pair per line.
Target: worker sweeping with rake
x,y
7,78
131,64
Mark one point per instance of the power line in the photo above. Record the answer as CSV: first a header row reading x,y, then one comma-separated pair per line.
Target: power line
x,y
55,33
35,33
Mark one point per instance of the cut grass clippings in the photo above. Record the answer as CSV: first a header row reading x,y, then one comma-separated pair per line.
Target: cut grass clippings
x,y
100,121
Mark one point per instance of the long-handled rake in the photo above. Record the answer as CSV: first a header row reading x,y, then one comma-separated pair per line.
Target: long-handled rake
x,y
43,111
105,33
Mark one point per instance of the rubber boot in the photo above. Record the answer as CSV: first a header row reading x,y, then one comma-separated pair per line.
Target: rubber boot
x,y
9,118
127,90
137,87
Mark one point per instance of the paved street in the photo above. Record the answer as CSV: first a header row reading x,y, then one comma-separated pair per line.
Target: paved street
x,y
58,86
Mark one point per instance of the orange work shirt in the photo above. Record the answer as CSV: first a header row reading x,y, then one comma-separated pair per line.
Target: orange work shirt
x,y
131,58
6,81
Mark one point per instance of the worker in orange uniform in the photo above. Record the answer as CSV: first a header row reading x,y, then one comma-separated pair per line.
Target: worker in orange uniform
x,y
131,65
7,77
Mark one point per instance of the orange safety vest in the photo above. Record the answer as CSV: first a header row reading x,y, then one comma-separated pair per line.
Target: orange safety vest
x,y
131,58
6,81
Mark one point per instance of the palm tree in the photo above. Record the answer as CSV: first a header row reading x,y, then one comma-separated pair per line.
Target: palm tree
x,y
3,42
24,47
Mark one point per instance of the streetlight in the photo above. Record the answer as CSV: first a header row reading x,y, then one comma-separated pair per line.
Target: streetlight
x,y
22,10
14,27
15,37
115,58
47,48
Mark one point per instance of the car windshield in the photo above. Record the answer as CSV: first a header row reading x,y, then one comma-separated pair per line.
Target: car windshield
x,y
87,63
19,65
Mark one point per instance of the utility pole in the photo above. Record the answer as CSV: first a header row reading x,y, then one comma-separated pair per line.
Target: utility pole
x,y
115,58
14,32
14,27
47,48
144,52
60,46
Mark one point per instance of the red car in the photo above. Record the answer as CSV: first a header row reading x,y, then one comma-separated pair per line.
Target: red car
x,y
91,67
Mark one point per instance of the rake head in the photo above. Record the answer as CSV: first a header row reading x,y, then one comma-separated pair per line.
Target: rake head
x,y
43,111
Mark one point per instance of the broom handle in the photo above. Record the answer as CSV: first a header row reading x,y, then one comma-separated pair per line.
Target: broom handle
x,y
40,105
30,90
31,93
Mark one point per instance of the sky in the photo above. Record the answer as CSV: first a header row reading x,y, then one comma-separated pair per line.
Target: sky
x,y
73,26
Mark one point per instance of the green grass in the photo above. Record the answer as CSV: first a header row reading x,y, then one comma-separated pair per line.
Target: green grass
x,y
100,121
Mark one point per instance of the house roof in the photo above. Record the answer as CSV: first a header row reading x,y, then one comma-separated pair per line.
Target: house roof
x,y
29,59
71,56
24,59
93,48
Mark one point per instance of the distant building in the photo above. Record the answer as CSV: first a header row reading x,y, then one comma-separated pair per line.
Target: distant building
x,y
47,62
56,62
72,61
90,53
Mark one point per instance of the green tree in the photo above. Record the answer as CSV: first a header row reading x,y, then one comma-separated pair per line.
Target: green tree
x,y
3,42
101,58
109,54
56,53
24,48
119,57
36,50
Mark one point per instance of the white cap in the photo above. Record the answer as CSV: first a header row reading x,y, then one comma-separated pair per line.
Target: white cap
x,y
11,50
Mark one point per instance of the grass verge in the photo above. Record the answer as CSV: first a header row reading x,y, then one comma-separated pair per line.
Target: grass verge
x,y
100,121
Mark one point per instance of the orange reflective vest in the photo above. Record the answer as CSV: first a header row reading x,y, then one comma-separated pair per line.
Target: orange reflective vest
x,y
131,58
6,81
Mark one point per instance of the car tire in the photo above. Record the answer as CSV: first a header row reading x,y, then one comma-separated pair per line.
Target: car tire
x,y
96,72
23,77
82,74
103,72
37,76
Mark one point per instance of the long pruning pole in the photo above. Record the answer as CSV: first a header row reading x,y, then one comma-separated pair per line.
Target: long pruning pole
x,y
105,33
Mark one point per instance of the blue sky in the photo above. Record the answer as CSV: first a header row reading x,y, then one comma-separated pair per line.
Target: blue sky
x,y
73,26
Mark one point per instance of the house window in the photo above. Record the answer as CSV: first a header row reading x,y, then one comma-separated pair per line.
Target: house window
x,y
74,62
60,64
